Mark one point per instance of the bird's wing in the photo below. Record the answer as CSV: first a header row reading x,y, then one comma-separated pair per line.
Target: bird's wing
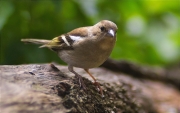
x,y
65,41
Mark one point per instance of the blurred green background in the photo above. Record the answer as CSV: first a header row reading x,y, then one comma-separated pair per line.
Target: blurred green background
x,y
148,30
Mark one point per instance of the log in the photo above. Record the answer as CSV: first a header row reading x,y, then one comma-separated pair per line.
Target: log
x,y
168,75
43,88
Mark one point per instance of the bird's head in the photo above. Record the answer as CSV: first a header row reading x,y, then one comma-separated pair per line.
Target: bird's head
x,y
106,28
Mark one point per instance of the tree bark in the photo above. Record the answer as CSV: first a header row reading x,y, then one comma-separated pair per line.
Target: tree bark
x,y
43,88
168,75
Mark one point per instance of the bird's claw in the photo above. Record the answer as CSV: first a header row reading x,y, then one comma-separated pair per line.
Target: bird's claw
x,y
99,88
81,82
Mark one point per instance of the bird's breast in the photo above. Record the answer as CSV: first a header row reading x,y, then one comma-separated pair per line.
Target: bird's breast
x,y
87,55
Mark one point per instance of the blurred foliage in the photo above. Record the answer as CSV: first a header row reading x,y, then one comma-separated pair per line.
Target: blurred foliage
x,y
148,30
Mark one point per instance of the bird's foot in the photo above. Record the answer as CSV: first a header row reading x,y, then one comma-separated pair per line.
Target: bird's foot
x,y
81,82
99,88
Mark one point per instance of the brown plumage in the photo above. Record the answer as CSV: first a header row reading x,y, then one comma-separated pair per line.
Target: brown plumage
x,y
85,47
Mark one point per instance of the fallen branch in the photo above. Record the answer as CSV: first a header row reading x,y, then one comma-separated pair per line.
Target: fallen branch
x,y
43,88
159,74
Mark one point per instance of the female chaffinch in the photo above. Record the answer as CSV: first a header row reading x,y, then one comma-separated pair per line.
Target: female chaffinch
x,y
84,47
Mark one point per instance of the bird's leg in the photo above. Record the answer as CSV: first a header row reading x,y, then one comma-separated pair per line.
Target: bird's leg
x,y
95,82
79,77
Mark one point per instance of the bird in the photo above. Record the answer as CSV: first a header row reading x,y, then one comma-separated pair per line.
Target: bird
x,y
84,47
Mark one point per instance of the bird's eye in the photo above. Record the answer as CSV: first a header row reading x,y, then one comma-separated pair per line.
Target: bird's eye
x,y
102,28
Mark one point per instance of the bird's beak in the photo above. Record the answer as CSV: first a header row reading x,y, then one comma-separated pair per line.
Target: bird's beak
x,y
111,32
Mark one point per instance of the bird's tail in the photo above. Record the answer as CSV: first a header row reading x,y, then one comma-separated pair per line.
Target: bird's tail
x,y
37,41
